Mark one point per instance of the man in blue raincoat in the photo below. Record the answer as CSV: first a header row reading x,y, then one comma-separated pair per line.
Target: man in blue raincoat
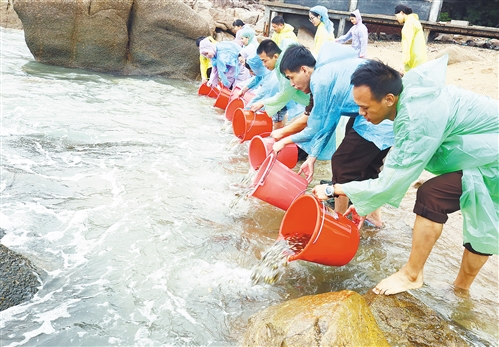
x,y
450,132
294,100
361,153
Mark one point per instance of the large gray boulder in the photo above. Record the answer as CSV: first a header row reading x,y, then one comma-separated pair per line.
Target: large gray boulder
x,y
134,37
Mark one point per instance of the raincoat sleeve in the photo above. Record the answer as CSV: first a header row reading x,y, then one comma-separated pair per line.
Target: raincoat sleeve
x,y
204,64
346,37
415,143
222,72
323,118
254,82
286,94
213,81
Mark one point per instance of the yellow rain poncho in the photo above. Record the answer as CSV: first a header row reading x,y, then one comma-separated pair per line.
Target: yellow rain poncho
x,y
325,29
413,42
287,33
442,129
205,63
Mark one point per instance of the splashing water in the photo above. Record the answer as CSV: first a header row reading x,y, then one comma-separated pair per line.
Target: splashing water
x,y
275,260
233,144
247,186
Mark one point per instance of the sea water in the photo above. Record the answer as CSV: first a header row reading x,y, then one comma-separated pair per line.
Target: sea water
x,y
119,189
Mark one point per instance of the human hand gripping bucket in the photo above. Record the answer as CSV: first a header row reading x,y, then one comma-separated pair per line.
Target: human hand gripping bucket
x,y
332,238
247,124
259,149
276,184
235,103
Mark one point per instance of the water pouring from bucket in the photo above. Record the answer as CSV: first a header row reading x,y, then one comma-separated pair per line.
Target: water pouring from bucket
x,y
333,238
311,232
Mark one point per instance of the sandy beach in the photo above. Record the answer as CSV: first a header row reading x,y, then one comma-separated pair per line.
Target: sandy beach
x,y
471,68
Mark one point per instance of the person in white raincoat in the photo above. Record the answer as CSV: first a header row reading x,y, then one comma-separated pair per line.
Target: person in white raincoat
x,y
357,33
450,132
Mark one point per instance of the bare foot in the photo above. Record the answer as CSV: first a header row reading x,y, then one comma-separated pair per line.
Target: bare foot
x,y
397,283
375,218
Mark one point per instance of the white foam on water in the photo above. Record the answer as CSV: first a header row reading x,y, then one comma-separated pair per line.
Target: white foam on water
x,y
46,319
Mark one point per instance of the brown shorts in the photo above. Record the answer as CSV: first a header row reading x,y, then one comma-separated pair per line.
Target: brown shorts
x,y
438,197
356,159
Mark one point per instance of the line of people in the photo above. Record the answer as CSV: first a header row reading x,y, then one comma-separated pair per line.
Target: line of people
x,y
404,124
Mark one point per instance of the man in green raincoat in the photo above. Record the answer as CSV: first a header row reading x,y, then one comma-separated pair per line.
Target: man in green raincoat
x,y
450,132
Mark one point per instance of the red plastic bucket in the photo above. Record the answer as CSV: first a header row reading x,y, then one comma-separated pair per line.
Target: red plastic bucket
x,y
259,149
232,107
208,91
247,124
223,98
276,184
333,238
235,103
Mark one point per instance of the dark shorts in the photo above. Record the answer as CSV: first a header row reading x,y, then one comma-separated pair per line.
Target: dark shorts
x,y
279,116
302,155
356,159
438,197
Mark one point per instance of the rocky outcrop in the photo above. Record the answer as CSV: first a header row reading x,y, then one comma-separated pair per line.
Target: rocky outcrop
x,y
18,278
406,321
348,319
8,17
118,36
329,319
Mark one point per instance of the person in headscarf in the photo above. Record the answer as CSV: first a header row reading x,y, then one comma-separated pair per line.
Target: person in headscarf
x,y
325,28
248,56
357,33
237,26
447,131
204,63
224,59
413,39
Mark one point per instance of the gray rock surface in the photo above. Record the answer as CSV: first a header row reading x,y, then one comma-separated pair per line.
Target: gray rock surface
x,y
19,279
133,37
406,321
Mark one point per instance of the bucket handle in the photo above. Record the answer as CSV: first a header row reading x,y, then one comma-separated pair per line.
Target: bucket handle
x,y
324,210
269,168
253,122
322,222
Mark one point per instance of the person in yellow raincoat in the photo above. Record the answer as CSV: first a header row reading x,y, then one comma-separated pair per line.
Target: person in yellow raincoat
x,y
450,132
319,17
413,39
282,31
204,63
